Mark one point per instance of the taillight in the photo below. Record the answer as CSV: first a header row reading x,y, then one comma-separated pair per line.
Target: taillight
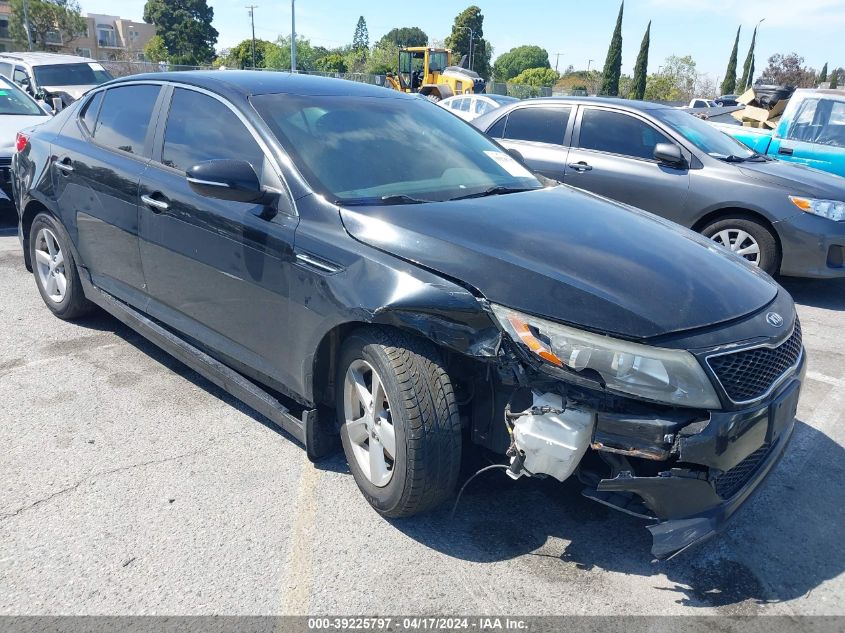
x,y
21,141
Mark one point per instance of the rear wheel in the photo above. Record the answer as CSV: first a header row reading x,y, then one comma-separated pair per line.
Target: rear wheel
x,y
399,422
55,270
747,238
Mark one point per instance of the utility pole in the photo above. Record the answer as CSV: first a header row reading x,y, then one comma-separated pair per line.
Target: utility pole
x,y
252,8
557,59
292,36
26,24
589,61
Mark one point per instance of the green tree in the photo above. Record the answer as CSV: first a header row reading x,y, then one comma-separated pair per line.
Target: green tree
x,y
240,56
613,63
536,77
748,68
46,19
641,67
789,70
404,36
509,65
155,50
835,76
823,74
361,39
383,59
675,82
277,54
331,63
185,27
459,40
729,83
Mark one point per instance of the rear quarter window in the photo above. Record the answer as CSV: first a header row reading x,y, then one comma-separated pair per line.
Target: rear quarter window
x,y
125,117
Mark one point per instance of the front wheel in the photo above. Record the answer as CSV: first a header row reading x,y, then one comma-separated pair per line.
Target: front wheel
x,y
399,422
747,238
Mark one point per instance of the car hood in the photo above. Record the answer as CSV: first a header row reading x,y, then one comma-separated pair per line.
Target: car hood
x,y
796,179
74,91
11,124
572,257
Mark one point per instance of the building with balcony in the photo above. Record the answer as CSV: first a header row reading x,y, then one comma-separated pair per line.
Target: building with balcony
x,y
6,42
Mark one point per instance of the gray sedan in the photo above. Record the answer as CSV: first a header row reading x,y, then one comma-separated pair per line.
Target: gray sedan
x,y
784,218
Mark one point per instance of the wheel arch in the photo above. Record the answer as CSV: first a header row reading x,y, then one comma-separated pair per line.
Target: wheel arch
x,y
32,208
739,213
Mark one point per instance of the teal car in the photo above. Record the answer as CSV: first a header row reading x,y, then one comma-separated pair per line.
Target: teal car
x,y
811,131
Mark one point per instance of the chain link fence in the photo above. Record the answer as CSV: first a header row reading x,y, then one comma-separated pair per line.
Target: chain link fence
x,y
125,68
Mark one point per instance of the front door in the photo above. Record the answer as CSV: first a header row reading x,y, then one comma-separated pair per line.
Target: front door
x,y
216,270
815,137
612,155
98,162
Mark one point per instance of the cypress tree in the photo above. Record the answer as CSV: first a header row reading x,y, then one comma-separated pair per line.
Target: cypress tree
x,y
823,74
613,63
748,67
834,78
729,83
641,67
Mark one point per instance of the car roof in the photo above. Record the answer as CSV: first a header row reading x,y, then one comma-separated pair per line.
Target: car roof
x,y
41,59
625,103
836,93
246,83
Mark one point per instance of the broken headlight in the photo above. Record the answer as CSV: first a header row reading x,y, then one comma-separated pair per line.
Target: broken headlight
x,y
654,373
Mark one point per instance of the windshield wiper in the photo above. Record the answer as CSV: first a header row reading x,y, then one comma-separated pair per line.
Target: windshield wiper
x,y
494,191
731,158
400,198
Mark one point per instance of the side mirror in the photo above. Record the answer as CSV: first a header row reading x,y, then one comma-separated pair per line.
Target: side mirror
x,y
225,179
57,104
669,154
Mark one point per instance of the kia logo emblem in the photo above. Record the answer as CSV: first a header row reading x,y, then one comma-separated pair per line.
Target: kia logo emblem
x,y
774,319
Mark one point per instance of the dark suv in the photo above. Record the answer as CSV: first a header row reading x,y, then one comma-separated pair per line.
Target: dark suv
x,y
353,261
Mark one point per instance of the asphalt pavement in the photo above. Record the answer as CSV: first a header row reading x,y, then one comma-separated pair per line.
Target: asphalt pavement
x,y
130,485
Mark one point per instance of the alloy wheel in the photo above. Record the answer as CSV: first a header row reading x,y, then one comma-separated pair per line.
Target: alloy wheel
x,y
740,242
50,264
369,422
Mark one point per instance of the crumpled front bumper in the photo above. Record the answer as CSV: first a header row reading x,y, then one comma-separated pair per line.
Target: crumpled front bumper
x,y
737,450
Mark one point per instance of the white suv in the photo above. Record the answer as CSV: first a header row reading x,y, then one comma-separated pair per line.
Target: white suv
x,y
48,75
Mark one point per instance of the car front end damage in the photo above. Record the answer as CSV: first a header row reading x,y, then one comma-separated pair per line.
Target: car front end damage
x,y
686,469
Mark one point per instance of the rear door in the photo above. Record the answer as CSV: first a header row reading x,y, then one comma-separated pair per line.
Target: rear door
x,y
612,155
98,162
540,134
217,270
815,137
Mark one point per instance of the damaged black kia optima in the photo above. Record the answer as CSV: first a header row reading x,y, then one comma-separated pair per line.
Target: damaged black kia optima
x,y
332,245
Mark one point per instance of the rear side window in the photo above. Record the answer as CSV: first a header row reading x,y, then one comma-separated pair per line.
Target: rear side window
x,y
482,106
543,125
125,117
89,115
617,133
201,128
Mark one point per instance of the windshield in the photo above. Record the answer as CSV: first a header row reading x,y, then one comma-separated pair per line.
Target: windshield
x,y
365,149
703,135
14,101
85,74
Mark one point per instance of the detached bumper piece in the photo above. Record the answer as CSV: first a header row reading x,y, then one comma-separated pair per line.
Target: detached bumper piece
x,y
718,468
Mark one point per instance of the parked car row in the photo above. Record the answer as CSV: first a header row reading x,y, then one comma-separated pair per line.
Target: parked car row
x,y
419,293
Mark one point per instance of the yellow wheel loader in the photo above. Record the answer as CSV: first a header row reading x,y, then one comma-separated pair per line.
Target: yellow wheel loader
x,y
429,72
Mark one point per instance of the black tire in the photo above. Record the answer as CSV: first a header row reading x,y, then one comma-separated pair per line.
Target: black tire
x,y
424,416
768,245
74,304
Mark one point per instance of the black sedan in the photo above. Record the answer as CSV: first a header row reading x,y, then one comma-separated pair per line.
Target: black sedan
x,y
352,261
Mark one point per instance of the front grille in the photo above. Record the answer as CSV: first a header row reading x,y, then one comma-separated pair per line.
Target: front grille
x,y
731,481
749,374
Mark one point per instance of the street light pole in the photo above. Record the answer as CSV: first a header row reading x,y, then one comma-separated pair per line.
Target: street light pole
x,y
471,37
589,61
26,24
557,59
252,8
292,36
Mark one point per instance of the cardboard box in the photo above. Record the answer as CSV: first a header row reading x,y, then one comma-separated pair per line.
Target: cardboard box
x,y
773,123
747,97
752,112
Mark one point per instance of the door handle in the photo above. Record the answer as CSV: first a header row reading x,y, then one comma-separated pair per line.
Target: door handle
x,y
580,166
786,151
65,165
156,205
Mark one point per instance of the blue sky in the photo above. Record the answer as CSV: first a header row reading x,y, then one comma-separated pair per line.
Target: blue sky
x,y
580,30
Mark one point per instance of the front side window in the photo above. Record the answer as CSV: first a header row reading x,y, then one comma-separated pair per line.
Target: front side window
x,y
20,76
703,135
125,117
92,108
820,121
618,133
367,150
201,128
542,125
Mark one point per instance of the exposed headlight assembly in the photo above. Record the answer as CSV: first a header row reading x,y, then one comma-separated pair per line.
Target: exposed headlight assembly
x,y
653,373
830,209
